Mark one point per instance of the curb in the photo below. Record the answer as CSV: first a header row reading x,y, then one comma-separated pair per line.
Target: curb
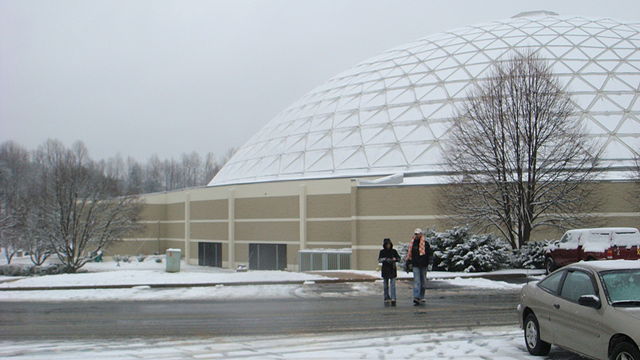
x,y
497,277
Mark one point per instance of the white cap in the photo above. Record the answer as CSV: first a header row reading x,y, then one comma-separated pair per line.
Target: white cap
x,y
417,231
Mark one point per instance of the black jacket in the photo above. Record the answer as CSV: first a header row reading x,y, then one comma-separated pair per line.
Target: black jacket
x,y
389,258
418,260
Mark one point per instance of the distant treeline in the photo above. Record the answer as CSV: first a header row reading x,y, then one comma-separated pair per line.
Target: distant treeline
x,y
136,177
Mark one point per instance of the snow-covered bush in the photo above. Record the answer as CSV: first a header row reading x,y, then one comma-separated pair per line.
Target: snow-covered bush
x,y
530,255
30,270
458,250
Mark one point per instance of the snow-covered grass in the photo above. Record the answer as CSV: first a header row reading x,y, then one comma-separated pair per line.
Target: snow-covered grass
x,y
483,343
151,273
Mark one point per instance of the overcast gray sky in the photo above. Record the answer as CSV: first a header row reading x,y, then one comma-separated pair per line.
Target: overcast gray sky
x,y
167,77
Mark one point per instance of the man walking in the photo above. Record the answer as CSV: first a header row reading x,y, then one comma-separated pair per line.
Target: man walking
x,y
418,255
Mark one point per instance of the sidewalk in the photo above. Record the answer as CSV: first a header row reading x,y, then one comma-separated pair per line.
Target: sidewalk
x,y
318,277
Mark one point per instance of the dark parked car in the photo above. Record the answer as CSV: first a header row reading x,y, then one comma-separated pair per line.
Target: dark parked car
x,y
593,244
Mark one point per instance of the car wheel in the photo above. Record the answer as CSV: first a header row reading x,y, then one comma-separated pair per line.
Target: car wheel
x,y
549,265
625,351
535,346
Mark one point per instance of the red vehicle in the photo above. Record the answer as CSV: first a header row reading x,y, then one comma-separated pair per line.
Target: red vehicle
x,y
593,244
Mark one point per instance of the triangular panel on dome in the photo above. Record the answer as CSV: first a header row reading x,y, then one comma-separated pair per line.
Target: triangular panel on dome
x,y
292,163
419,133
575,65
370,132
432,155
403,131
413,150
404,114
440,128
623,100
295,143
635,107
319,140
615,84
596,80
321,122
318,160
350,158
593,127
431,108
401,96
348,102
617,150
392,158
347,137
375,116
583,101
604,104
630,126
373,99
346,119
422,91
457,87
444,112
609,121
476,70
401,81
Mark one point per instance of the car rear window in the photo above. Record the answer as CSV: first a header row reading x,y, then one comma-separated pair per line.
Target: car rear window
x,y
623,285
552,282
577,284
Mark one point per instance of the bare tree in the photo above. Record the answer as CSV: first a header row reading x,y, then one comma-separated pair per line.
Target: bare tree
x,y
14,201
82,210
520,159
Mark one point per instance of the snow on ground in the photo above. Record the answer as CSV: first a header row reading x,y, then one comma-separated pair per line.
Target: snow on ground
x,y
482,343
483,283
450,275
145,293
150,272
221,292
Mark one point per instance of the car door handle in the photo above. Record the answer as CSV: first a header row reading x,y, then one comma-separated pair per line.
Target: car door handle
x,y
557,306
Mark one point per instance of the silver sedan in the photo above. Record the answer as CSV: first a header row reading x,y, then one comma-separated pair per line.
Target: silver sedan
x,y
590,308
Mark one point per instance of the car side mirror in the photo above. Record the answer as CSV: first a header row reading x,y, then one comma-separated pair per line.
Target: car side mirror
x,y
590,301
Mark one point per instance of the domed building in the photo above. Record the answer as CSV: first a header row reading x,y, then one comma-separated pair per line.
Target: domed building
x,y
359,158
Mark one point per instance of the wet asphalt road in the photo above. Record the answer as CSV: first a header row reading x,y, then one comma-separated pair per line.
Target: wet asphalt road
x,y
447,307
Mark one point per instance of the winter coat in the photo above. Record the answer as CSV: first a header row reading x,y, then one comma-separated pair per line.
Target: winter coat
x,y
419,252
389,258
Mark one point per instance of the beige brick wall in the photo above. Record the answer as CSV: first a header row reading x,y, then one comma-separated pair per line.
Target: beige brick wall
x,y
209,210
175,211
153,212
273,231
210,231
327,206
268,208
133,248
402,200
323,231
172,230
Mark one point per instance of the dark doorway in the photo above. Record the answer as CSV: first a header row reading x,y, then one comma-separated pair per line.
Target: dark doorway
x,y
210,254
267,256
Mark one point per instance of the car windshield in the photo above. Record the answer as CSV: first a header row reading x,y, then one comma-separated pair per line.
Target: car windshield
x,y
623,287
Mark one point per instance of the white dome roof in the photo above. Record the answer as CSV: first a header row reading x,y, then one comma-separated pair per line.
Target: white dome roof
x,y
391,113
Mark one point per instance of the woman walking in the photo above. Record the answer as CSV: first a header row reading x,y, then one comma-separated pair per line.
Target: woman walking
x,y
388,257
418,255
